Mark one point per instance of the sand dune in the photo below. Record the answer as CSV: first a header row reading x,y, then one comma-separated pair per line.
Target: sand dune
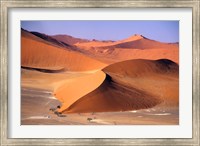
x,y
74,89
119,91
37,54
141,67
96,43
50,40
133,42
134,47
143,43
69,39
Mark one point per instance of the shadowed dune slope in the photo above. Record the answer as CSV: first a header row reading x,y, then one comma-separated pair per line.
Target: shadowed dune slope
x,y
112,96
48,40
69,39
37,54
119,91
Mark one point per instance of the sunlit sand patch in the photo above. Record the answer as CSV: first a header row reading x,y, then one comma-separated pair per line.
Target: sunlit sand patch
x,y
147,110
52,97
133,111
39,117
100,121
161,114
32,90
164,114
41,96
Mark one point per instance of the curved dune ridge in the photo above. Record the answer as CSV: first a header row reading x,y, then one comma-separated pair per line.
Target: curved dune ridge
x,y
74,89
142,67
37,54
120,92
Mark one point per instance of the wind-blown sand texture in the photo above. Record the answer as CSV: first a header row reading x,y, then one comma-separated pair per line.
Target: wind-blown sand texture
x,y
105,77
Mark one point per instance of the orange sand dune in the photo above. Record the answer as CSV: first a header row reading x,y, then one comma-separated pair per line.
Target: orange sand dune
x,y
95,43
48,40
151,54
159,78
120,54
69,39
141,67
37,54
130,85
144,43
134,42
111,96
134,47
74,89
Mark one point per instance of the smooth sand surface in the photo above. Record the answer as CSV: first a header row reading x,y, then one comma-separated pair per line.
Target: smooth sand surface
x,y
47,81
74,89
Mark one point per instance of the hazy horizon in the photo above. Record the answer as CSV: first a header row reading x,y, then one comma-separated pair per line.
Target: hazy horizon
x,y
163,31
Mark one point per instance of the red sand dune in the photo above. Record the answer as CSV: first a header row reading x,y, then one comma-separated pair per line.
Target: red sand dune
x,y
74,89
37,54
134,47
69,39
140,42
119,92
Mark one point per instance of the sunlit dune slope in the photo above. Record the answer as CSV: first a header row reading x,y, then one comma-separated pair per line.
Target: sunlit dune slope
x,y
74,89
141,67
133,42
37,54
132,85
97,43
144,43
111,55
151,54
134,47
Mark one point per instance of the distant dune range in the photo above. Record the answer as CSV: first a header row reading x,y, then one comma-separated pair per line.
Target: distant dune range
x,y
130,74
134,47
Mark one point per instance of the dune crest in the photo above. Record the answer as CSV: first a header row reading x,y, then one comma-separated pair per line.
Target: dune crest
x,y
74,89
